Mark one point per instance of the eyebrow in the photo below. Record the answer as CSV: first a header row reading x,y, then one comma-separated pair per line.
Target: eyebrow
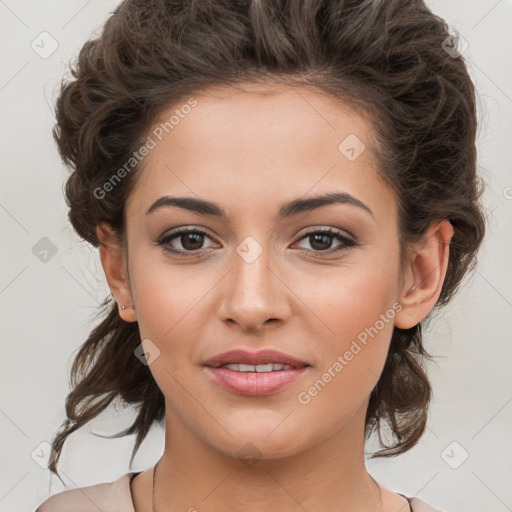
x,y
289,209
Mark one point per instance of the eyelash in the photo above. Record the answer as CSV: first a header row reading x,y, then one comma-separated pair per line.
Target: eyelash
x,y
347,243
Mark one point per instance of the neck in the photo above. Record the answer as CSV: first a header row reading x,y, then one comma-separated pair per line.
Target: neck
x,y
331,475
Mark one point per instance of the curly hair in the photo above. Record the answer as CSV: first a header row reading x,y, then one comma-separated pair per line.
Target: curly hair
x,y
385,58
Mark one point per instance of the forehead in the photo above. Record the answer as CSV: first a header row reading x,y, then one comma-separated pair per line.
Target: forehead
x,y
257,112
258,142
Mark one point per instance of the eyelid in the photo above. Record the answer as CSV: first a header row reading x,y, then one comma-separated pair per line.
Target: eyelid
x,y
184,229
330,230
346,239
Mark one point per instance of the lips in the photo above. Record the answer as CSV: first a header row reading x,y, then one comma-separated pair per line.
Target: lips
x,y
241,356
236,372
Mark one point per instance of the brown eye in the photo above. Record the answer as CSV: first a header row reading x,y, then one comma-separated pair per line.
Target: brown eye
x,y
184,240
322,240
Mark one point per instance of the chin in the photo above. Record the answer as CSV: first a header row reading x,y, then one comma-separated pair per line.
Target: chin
x,y
254,443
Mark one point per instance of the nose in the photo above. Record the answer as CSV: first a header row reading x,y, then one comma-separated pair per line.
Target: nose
x,y
255,295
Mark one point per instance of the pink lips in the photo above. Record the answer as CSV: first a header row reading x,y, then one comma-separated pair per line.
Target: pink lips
x,y
261,357
254,383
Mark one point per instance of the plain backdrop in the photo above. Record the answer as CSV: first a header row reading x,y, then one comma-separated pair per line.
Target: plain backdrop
x,y
48,299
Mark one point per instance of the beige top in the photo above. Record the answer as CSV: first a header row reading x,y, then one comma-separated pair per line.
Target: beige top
x,y
116,497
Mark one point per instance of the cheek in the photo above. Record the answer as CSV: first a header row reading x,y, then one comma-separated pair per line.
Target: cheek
x,y
349,362
169,299
170,312
351,300
356,309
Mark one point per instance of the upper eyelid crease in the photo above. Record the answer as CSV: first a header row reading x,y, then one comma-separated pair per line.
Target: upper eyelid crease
x,y
345,238
289,209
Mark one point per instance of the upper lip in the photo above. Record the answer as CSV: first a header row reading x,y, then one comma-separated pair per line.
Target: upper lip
x,y
243,356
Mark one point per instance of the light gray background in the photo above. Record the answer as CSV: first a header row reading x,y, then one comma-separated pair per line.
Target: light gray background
x,y
47,309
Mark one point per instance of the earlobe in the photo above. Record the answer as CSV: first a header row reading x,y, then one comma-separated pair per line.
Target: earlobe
x,y
425,275
113,263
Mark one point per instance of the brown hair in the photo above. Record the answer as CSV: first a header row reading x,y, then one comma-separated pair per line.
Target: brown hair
x,y
386,58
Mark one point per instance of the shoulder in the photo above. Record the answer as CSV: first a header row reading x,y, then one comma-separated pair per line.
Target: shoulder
x,y
418,505
112,496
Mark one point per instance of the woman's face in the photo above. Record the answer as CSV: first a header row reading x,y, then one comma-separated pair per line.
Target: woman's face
x,y
263,276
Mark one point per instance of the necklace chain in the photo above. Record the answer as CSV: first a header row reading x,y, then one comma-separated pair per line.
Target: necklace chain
x,y
154,480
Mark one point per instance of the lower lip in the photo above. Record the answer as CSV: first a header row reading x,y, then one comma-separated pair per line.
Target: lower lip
x,y
254,383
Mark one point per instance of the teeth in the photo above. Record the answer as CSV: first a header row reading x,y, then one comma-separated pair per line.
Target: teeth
x,y
260,368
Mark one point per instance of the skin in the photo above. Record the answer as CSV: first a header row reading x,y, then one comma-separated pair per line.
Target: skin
x,y
249,152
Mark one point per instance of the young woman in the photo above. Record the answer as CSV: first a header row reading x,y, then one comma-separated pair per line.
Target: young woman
x,y
281,194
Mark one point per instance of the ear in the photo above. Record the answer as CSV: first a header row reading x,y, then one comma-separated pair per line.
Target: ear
x,y
114,265
425,275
